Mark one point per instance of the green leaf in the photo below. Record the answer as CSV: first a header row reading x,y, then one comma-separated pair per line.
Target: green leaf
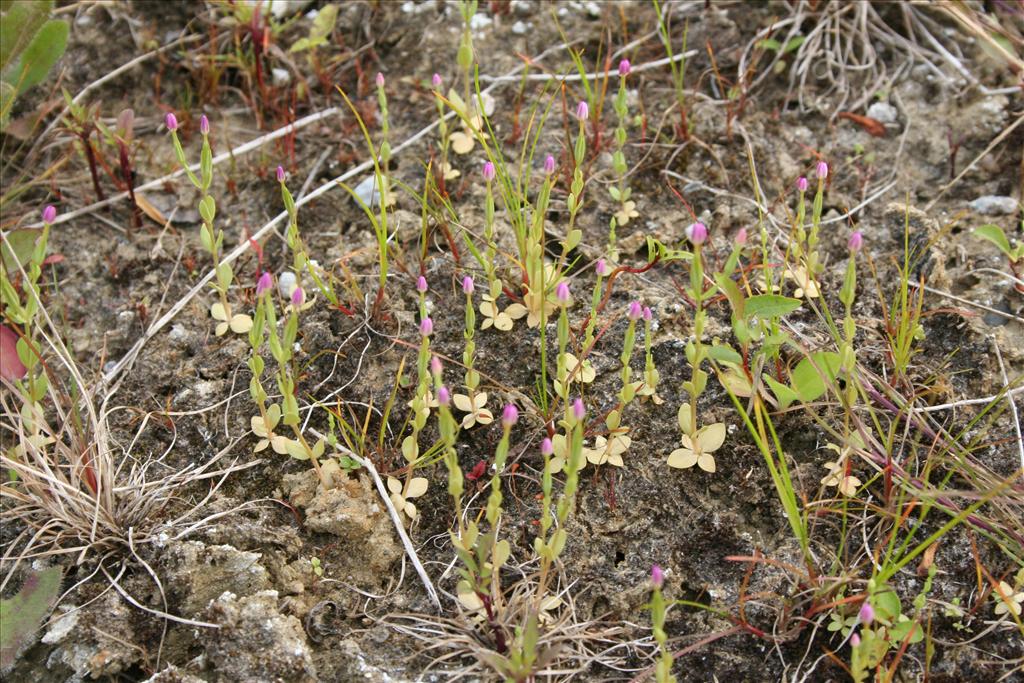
x,y
767,306
783,394
809,377
769,44
39,57
732,293
886,604
995,235
724,353
21,614
17,249
21,20
794,44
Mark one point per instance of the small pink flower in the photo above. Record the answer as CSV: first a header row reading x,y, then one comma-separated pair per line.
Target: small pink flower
x,y
264,284
579,411
444,397
298,297
380,80
421,284
624,67
435,365
657,576
435,80
546,447
280,174
741,237
204,125
854,640
601,268
648,316
510,415
822,170
549,164
582,111
801,184
697,233
467,285
635,311
426,327
49,213
171,121
562,292
856,241
488,171
866,614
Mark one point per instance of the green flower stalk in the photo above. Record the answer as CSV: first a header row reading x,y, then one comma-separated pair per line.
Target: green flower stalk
x,y
663,669
300,255
563,298
442,123
601,269
492,248
651,374
695,352
472,377
384,153
621,192
464,56
847,354
449,429
575,200
421,401
212,239
814,265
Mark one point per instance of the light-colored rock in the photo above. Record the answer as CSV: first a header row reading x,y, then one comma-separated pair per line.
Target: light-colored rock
x,y
198,573
883,112
994,205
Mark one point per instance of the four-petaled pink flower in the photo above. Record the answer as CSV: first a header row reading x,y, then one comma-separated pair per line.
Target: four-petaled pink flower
x,y
697,233
624,67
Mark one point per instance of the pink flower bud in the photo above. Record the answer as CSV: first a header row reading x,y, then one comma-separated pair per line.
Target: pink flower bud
x,y
647,314
635,310
280,174
579,411
421,284
601,268
822,170
801,184
444,397
856,241
549,164
854,640
657,576
488,171
298,297
546,447
866,614
562,292
741,237
582,111
380,80
510,415
435,80
697,233
49,213
467,285
204,125
426,327
171,121
624,67
435,365
264,284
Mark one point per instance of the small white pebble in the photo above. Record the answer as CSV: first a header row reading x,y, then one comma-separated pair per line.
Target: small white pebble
x,y
286,284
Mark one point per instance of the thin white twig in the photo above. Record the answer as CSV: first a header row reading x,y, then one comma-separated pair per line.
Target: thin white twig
x,y
970,401
1013,404
968,302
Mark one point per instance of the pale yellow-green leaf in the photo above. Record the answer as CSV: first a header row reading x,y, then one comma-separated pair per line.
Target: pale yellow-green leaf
x,y
394,486
682,458
684,418
410,449
711,437
502,551
241,323
417,487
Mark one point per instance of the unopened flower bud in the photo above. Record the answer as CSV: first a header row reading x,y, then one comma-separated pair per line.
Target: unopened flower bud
x,y
624,67
171,121
426,327
822,170
579,411
421,284
280,174
854,640
856,241
635,310
546,447
697,233
648,316
549,164
657,576
298,297
510,415
204,125
264,284
488,171
601,268
467,285
435,80
49,213
741,237
435,365
582,111
444,397
562,292
380,80
801,184
866,614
